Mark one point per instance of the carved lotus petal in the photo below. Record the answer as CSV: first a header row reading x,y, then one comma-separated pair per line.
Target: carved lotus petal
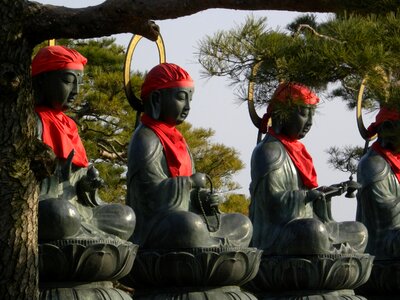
x,y
384,279
85,260
97,290
51,261
324,272
194,267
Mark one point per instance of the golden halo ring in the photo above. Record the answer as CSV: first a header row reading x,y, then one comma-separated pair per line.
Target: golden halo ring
x,y
360,124
250,97
134,101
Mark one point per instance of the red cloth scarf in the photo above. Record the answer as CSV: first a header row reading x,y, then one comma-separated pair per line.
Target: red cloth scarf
x,y
392,159
175,148
300,157
61,134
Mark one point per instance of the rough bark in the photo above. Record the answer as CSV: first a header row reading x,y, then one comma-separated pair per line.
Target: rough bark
x,y
18,185
118,16
22,160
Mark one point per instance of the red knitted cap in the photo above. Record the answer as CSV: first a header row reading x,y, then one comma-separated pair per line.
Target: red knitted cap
x,y
295,92
53,58
165,75
384,114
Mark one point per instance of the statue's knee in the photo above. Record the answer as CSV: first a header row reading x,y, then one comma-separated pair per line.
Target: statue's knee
x,y
180,229
58,219
354,233
183,222
354,227
116,219
240,220
235,223
304,236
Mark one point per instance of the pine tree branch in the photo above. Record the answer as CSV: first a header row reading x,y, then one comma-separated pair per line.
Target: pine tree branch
x,y
303,27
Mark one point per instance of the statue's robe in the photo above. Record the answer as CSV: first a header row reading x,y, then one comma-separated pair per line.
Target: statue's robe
x,y
284,221
379,205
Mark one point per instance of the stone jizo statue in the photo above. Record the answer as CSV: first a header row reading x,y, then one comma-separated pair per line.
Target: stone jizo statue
x,y
379,197
291,214
173,206
69,206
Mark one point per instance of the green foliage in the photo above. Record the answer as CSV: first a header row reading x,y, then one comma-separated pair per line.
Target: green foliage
x,y
214,159
114,188
345,49
236,203
346,159
349,49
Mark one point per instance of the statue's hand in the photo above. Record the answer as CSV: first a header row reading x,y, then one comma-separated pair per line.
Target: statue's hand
x,y
209,201
67,167
214,200
314,195
333,190
92,180
88,185
198,180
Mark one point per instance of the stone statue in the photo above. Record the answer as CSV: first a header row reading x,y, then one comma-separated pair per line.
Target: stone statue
x,y
378,205
291,215
379,196
69,206
188,248
83,243
173,209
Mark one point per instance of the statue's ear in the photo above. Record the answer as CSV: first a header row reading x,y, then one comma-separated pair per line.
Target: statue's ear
x,y
277,124
386,126
38,86
155,104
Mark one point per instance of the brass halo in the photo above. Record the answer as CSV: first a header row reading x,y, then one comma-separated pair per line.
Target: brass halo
x,y
250,97
360,124
134,101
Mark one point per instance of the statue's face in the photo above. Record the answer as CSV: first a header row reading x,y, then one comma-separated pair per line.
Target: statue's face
x,y
60,88
391,134
175,104
299,122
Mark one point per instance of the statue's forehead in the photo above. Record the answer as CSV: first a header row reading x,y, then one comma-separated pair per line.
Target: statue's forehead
x,y
78,74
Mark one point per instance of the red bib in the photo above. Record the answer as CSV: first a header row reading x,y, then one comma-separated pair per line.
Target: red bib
x,y
61,134
301,159
174,144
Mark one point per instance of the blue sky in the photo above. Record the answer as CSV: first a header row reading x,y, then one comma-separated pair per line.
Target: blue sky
x,y
215,102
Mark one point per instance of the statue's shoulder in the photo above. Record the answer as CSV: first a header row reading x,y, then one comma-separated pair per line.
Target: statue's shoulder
x,y
372,168
144,143
268,155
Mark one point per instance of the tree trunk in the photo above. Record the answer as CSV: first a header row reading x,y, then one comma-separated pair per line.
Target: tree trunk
x,y
18,184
